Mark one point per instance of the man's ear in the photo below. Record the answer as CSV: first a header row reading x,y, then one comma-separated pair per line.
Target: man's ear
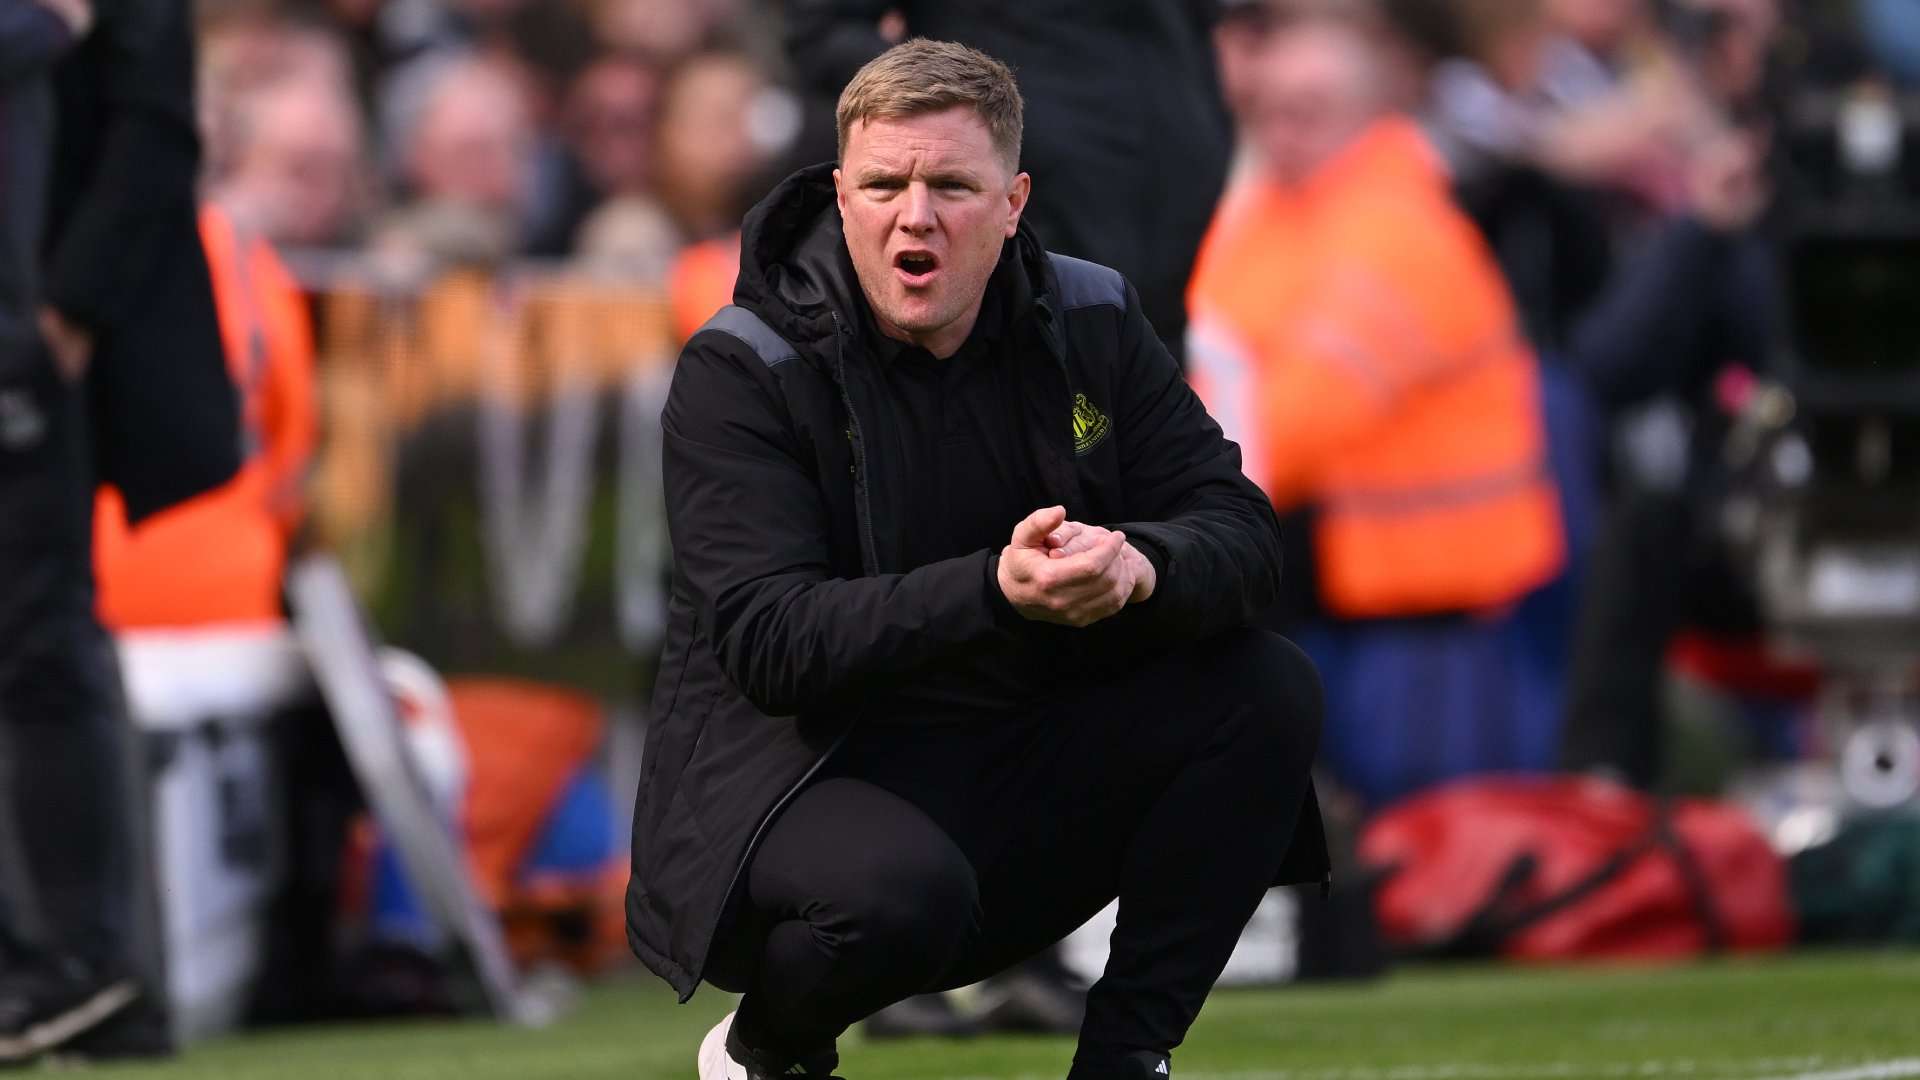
x,y
840,192
1017,201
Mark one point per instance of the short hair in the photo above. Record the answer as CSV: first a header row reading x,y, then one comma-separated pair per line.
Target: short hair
x,y
922,76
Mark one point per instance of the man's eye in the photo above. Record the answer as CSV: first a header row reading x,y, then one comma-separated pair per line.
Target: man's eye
x,y
953,185
885,185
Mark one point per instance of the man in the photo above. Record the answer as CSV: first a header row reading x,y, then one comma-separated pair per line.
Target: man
x,y
290,165
128,388
32,37
1351,327
1127,171
893,749
1132,141
466,153
1690,313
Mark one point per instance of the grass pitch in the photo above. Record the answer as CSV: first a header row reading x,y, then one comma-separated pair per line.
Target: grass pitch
x,y
1835,1016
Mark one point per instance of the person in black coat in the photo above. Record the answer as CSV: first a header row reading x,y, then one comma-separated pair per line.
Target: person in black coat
x,y
1130,144
1130,140
127,384
908,729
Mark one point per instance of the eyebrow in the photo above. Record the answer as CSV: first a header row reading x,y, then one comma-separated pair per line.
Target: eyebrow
x,y
873,173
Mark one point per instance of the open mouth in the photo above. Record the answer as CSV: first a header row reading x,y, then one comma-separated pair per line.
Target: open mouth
x,y
916,267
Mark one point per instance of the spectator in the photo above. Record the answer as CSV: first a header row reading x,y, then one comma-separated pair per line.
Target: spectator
x,y
219,558
1351,331
1490,115
465,156
658,30
1690,309
128,318
248,50
608,129
1131,141
609,124
293,171
721,126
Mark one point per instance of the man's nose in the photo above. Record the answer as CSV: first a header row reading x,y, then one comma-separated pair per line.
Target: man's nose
x,y
916,215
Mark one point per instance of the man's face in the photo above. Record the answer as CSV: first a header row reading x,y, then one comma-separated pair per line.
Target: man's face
x,y
927,203
705,137
1315,95
303,167
473,143
611,124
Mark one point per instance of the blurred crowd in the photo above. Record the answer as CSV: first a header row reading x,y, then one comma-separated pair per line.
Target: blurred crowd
x,y
1599,179
479,130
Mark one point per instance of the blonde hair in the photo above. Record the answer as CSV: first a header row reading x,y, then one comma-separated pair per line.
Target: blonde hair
x,y
922,76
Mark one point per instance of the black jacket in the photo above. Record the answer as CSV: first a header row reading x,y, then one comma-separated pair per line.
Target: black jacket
x,y
32,37
123,257
1127,137
789,601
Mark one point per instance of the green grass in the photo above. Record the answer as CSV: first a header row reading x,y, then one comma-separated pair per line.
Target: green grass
x,y
1846,1016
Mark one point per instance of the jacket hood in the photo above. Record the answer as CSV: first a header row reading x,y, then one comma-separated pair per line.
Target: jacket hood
x,y
795,272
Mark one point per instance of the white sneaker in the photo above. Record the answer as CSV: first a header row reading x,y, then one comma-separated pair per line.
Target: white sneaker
x,y
715,1063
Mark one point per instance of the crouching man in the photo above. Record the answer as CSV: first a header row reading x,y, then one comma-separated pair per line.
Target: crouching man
x,y
960,646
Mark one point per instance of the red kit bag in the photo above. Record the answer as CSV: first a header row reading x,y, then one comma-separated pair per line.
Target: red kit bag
x,y
1565,868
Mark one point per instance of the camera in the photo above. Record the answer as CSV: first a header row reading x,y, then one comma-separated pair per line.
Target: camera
x,y
1825,503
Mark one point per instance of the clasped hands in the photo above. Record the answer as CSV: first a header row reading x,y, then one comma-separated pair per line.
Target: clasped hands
x,y
1070,573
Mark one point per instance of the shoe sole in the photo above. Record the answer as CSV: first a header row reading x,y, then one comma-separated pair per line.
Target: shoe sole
x,y
76,1021
713,1062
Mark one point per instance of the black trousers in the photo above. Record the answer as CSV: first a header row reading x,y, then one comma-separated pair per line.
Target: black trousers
x,y
66,844
933,855
1658,568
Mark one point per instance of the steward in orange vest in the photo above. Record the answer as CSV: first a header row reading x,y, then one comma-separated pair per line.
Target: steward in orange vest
x,y
1353,333
218,558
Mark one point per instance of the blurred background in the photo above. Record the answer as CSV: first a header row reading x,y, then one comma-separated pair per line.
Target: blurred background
x,y
1666,708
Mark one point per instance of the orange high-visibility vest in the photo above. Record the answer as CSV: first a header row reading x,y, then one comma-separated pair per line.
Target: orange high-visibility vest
x,y
1357,338
219,557
701,282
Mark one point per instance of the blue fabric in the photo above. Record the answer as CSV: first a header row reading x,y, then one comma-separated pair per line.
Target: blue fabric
x,y
1543,628
578,835
1415,704
577,838
1411,705
1891,28
395,912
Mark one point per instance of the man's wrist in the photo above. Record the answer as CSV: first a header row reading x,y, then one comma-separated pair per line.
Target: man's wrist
x,y
1155,556
1004,613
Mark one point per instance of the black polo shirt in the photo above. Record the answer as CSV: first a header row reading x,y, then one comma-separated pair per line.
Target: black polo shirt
x,y
952,425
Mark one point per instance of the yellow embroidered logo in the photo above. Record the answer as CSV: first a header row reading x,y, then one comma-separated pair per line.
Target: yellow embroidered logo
x,y
1090,425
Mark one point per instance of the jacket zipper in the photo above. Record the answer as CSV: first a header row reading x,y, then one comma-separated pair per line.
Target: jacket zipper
x,y
862,505
863,515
